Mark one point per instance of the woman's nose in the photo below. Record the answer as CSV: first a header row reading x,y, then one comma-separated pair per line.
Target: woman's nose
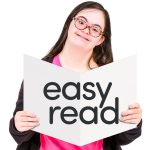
x,y
87,30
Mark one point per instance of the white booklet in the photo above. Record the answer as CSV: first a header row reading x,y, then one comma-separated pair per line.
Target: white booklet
x,y
80,108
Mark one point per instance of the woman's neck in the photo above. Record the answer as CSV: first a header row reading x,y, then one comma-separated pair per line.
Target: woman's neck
x,y
75,58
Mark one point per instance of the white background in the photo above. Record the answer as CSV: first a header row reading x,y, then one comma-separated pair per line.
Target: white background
x,y
33,26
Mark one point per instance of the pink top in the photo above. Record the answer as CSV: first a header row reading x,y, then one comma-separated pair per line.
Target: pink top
x,y
50,143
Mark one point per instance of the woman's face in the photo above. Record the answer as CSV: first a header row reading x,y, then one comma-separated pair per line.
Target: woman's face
x,y
93,22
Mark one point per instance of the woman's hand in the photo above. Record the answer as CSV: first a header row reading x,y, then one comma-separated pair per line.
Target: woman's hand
x,y
132,115
25,121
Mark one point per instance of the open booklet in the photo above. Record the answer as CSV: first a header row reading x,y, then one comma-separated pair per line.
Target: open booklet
x,y
80,108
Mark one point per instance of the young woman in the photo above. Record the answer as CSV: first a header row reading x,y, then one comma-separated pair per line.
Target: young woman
x,y
84,44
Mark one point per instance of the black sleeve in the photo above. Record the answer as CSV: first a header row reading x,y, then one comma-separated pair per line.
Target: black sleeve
x,y
123,138
128,136
114,142
19,137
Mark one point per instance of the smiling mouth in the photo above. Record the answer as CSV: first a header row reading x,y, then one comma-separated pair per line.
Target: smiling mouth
x,y
83,37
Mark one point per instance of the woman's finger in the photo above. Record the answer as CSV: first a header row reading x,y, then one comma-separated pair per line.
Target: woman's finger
x,y
130,117
29,119
132,121
29,124
131,112
26,113
23,129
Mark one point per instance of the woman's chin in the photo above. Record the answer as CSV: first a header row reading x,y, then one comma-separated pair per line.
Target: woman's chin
x,y
79,44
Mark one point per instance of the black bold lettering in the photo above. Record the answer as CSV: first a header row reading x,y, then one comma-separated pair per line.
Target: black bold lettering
x,y
51,112
46,90
115,110
63,115
103,94
89,91
94,110
76,85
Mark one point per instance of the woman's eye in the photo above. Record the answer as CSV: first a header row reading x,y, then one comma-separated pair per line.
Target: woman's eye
x,y
95,29
81,22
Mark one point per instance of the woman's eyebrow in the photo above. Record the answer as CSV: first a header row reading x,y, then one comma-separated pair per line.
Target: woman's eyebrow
x,y
83,18
87,21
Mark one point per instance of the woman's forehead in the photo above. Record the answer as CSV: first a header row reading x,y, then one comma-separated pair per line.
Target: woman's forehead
x,y
94,16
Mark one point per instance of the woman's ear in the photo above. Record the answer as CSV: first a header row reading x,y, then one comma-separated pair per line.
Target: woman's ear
x,y
101,40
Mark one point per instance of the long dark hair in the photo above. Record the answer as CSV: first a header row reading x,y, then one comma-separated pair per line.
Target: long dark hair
x,y
102,54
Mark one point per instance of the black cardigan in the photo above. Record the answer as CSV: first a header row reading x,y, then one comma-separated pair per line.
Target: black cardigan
x,y
30,140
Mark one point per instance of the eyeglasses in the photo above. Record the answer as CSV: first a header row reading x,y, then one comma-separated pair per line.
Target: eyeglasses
x,y
81,24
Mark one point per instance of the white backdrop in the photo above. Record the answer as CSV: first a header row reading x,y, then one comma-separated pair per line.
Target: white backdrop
x,y
33,26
